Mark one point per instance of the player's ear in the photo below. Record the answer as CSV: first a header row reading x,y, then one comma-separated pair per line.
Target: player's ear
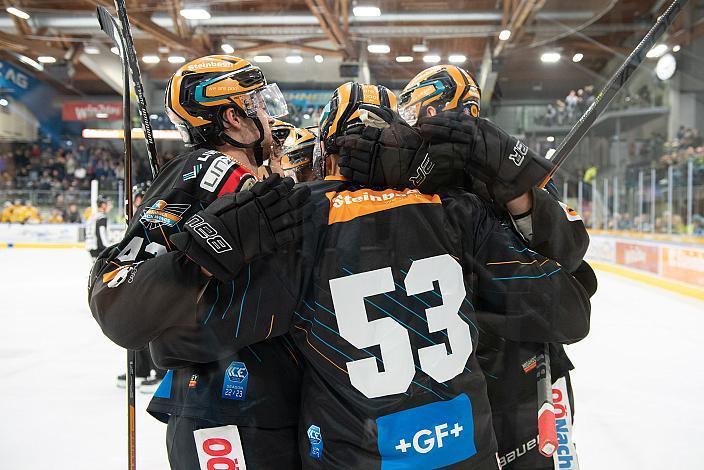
x,y
231,119
431,111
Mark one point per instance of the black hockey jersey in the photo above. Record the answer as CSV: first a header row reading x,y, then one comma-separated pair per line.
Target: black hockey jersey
x,y
386,297
258,386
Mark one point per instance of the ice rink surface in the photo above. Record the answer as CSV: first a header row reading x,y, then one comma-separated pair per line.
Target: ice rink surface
x,y
638,380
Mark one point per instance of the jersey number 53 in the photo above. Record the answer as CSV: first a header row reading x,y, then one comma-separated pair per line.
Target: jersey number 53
x,y
348,295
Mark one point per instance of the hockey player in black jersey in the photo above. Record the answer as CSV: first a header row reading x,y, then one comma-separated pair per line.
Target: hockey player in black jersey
x,y
246,403
97,228
382,296
444,102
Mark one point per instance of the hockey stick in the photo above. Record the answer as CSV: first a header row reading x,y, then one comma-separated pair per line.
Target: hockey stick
x,y
110,27
547,433
122,38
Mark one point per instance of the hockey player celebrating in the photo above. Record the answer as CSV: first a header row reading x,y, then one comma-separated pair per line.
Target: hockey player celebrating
x,y
457,148
380,295
97,228
247,402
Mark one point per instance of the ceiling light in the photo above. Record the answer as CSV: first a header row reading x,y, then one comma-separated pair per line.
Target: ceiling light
x,y
195,14
551,138
319,59
151,59
676,48
264,59
657,51
46,59
92,50
379,48
17,12
31,62
227,49
549,153
176,59
101,115
550,57
163,50
420,48
366,10
505,34
404,58
4,102
577,57
306,116
294,59
457,58
431,59
115,50
153,116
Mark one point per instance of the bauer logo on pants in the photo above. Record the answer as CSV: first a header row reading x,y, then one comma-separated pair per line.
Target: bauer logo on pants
x,y
219,447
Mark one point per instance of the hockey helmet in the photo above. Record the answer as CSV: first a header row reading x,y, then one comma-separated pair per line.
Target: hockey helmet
x,y
342,112
281,130
445,87
199,92
297,154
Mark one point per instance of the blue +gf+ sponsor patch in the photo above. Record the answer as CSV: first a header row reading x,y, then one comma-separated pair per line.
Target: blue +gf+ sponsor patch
x,y
429,436
234,386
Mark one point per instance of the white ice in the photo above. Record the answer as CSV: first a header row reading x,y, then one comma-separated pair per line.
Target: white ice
x,y
638,380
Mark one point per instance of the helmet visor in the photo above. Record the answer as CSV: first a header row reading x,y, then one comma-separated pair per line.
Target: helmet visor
x,y
273,100
409,113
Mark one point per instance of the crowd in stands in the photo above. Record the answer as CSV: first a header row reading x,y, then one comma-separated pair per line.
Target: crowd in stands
x,y
46,168
24,212
566,112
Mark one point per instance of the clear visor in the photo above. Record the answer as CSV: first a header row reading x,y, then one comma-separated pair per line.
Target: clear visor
x,y
318,165
268,98
409,113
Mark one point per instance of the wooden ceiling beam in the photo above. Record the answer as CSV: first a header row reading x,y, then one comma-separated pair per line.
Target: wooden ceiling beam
x,y
329,25
144,22
29,47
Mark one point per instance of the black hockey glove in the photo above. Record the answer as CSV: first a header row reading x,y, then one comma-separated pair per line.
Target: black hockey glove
x,y
240,227
380,153
506,165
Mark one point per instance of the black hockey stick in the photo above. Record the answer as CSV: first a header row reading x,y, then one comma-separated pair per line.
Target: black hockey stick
x,y
613,86
122,38
547,436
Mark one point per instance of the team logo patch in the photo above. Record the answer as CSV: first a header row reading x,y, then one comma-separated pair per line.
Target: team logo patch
x,y
192,174
193,382
316,442
429,436
234,386
163,213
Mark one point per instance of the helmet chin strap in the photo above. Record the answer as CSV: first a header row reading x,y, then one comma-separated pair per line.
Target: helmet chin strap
x,y
256,146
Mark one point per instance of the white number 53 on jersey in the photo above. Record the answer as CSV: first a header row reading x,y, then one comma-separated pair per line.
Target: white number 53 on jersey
x,y
348,295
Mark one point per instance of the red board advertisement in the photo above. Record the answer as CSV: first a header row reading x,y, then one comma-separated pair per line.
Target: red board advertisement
x,y
683,264
634,255
92,111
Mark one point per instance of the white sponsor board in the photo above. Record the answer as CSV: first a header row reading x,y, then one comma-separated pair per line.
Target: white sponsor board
x,y
602,249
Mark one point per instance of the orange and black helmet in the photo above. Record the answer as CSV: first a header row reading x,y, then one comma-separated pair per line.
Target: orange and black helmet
x,y
199,92
298,149
281,130
445,87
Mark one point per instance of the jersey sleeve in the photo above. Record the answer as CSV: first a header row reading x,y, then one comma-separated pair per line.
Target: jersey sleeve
x,y
141,286
520,295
